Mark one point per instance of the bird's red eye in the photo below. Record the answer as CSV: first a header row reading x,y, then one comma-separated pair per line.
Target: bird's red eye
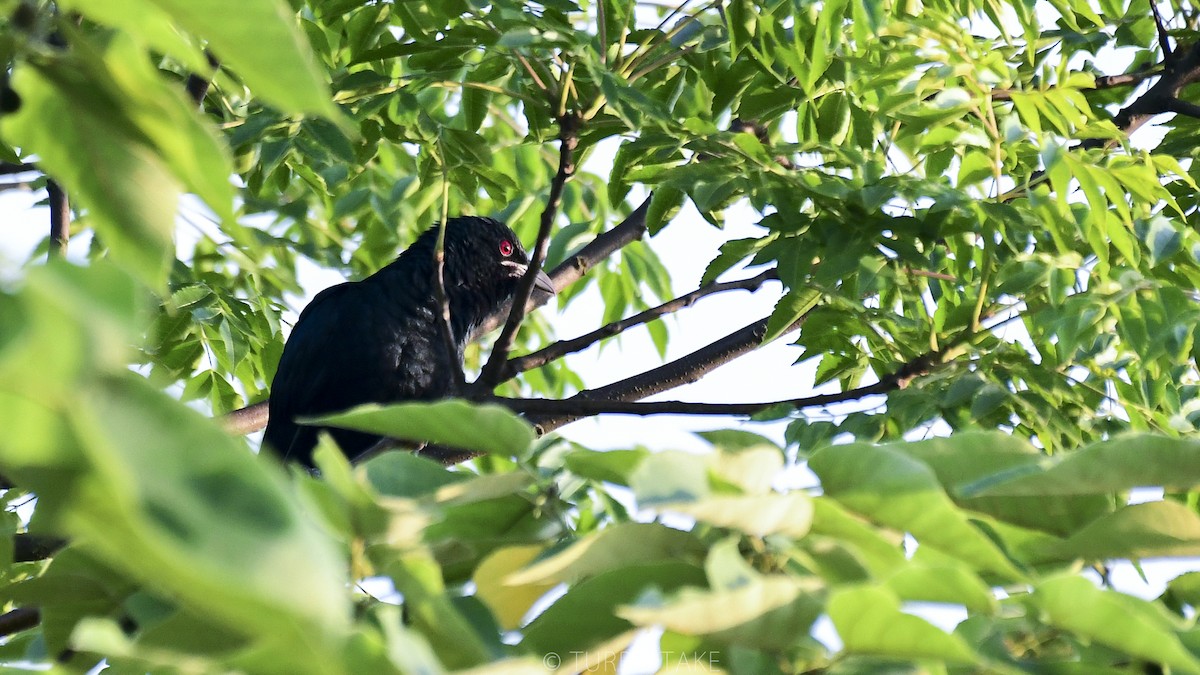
x,y
506,248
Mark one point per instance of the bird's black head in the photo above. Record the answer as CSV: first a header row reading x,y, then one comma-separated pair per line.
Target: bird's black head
x,y
484,263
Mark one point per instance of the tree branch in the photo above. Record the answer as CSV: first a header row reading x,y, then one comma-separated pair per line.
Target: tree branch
x,y
619,396
562,348
1182,107
60,219
19,619
681,371
1161,28
587,404
919,366
1180,68
246,420
568,135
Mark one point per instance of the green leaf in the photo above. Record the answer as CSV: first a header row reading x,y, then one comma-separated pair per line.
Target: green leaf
x,y
264,46
403,474
1161,239
869,621
217,530
615,546
74,124
613,466
668,477
970,457
585,615
880,553
943,583
454,423
1147,530
757,515
1126,462
665,202
901,492
791,308
147,23
771,612
1122,622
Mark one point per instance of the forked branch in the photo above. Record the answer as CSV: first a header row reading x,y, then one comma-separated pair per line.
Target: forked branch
x,y
562,348
568,138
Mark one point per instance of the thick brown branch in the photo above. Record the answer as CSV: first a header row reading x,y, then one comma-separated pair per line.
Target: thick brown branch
x,y
620,397
60,218
584,407
681,371
1182,107
560,349
1180,68
568,137
19,619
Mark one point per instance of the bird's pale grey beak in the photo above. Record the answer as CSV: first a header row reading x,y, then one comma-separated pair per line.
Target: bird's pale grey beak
x,y
541,282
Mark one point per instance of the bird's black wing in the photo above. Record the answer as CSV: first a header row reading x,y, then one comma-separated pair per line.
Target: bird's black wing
x,y
321,369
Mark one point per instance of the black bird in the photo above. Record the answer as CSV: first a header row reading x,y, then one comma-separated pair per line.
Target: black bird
x,y
378,340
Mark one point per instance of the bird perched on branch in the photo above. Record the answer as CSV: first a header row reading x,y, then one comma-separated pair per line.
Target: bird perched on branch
x,y
380,340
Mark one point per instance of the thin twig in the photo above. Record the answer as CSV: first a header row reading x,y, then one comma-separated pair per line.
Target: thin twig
x,y
440,297
568,135
930,275
668,58
602,32
562,348
532,73
1163,43
60,219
